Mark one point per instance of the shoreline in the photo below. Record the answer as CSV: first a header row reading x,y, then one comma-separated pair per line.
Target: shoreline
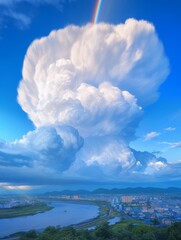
x,y
18,234
24,211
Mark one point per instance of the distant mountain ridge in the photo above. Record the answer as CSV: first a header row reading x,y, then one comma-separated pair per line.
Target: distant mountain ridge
x,y
129,190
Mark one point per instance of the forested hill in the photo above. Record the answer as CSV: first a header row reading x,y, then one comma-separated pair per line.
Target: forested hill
x,y
139,190
106,232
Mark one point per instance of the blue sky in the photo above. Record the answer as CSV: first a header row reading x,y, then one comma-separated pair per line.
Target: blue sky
x,y
21,22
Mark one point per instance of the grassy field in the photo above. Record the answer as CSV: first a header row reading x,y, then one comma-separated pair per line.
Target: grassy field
x,y
24,211
125,223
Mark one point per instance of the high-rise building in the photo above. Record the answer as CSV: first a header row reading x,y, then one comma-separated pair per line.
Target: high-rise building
x,y
127,199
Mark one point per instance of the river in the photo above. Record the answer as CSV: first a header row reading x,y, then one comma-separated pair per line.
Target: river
x,y
63,214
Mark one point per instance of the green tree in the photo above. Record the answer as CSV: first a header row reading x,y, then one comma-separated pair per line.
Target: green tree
x,y
103,232
143,232
69,233
161,233
31,235
51,230
85,235
171,236
174,231
155,221
123,234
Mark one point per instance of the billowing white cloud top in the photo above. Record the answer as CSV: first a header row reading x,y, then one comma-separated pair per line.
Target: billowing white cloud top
x,y
89,84
85,75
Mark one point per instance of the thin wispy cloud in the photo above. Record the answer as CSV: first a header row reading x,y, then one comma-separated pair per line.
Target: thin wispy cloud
x,y
154,134
21,20
172,144
176,145
177,115
157,152
17,187
151,135
170,129
10,3
11,9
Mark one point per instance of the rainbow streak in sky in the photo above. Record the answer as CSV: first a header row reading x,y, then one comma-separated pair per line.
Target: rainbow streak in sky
x,y
96,11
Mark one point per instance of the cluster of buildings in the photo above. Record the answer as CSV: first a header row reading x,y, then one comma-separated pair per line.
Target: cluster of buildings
x,y
69,197
65,197
12,203
151,210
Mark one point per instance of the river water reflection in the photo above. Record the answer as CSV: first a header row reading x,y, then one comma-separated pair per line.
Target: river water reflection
x,y
63,214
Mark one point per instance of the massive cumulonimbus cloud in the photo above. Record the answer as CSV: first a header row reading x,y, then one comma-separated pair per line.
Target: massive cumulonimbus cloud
x,y
84,89
95,79
46,147
128,56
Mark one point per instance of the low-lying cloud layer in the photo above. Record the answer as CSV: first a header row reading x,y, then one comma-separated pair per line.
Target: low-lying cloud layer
x,y
84,89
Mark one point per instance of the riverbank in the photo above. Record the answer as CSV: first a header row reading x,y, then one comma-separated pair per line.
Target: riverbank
x,y
105,214
24,211
62,215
